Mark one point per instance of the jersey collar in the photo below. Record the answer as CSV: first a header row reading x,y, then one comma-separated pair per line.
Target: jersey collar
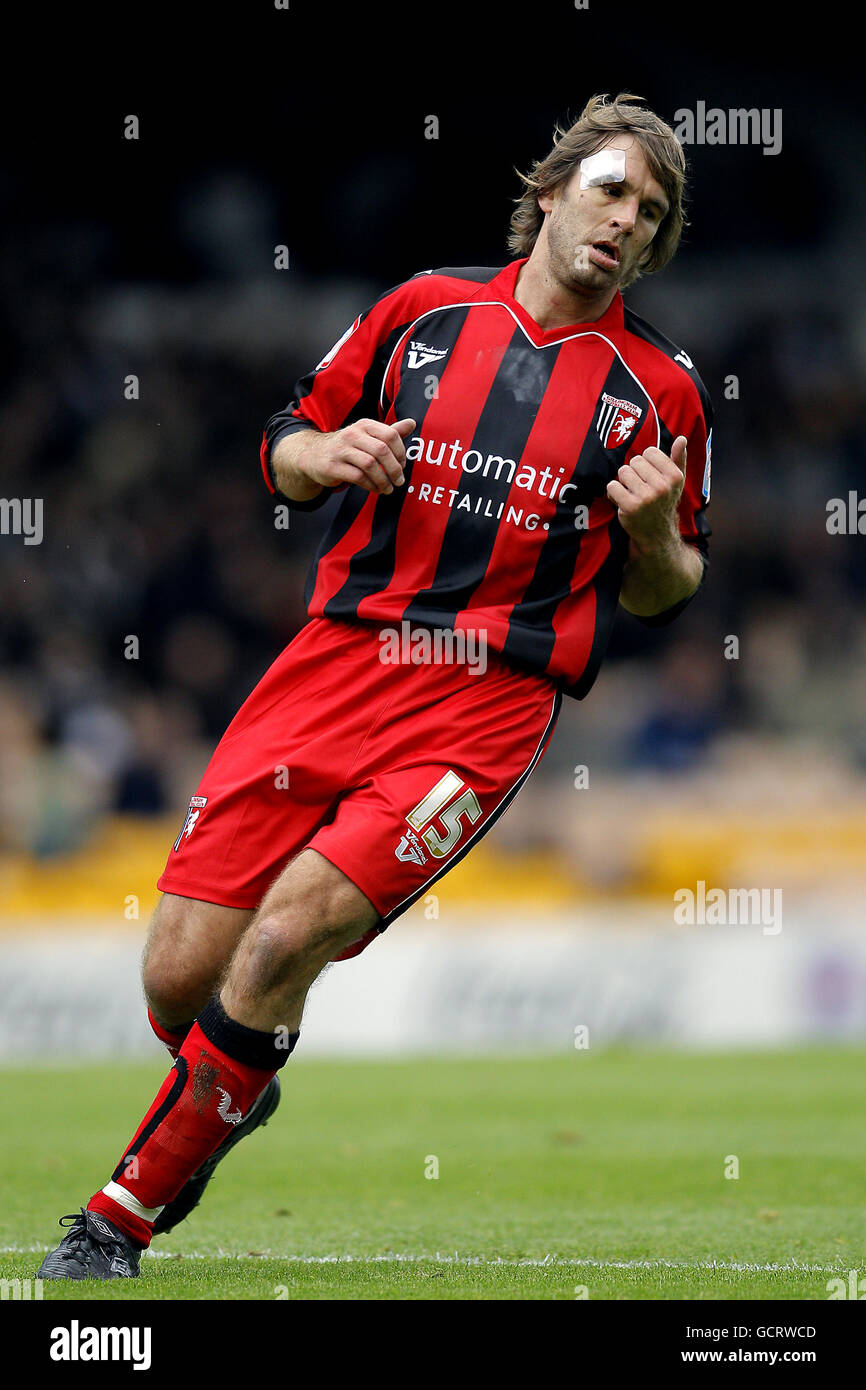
x,y
502,286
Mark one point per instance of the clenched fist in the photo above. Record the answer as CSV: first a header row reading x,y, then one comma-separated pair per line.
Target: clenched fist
x,y
368,453
647,491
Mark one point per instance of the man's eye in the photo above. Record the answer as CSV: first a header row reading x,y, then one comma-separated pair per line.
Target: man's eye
x,y
650,213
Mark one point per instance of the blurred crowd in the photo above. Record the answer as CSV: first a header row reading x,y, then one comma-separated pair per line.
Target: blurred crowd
x,y
162,588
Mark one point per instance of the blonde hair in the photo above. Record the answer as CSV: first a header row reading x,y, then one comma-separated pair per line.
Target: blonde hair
x,y
600,119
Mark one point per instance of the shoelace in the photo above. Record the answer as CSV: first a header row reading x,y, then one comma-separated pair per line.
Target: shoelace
x,y
78,1231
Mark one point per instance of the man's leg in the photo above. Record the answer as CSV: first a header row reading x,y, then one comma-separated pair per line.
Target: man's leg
x,y
240,1039
310,914
188,947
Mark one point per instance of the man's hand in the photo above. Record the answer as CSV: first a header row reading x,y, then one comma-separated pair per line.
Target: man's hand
x,y
661,569
367,453
647,492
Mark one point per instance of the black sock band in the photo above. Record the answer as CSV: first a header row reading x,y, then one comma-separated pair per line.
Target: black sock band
x,y
264,1051
172,1037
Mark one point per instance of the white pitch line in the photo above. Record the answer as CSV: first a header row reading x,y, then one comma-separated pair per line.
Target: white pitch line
x,y
480,1261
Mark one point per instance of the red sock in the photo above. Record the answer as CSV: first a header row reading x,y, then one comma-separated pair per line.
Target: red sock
x,y
172,1037
207,1091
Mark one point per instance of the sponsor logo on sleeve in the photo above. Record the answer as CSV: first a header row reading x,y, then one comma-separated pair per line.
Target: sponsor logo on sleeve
x,y
705,488
329,356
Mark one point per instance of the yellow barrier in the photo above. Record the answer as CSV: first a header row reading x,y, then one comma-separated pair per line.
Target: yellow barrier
x,y
114,877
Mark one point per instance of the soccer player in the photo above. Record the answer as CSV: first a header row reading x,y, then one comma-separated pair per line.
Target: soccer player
x,y
517,452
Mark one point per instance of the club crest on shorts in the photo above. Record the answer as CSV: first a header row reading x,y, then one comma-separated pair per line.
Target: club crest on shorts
x,y
196,805
616,420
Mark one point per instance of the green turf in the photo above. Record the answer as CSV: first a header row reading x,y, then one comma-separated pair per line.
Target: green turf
x,y
597,1156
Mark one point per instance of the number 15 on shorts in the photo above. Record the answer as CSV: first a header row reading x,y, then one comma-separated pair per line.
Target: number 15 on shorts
x,y
436,803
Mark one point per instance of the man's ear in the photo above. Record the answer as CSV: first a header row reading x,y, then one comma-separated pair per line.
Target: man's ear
x,y
545,201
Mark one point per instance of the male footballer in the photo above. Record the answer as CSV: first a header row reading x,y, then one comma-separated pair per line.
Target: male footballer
x,y
511,447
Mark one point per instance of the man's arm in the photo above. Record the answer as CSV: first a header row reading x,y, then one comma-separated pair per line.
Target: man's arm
x,y
662,569
368,452
306,449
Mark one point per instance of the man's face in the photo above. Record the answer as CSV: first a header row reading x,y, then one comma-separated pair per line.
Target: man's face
x,y
596,236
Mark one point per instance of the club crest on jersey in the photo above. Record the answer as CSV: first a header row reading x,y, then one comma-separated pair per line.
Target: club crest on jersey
x,y
196,805
420,355
616,420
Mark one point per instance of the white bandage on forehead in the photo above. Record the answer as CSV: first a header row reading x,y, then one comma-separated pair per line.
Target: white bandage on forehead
x,y
606,166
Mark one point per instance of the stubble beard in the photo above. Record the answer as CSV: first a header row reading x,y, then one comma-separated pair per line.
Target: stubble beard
x,y
572,269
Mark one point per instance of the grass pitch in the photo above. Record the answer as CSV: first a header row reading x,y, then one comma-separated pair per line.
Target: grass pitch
x,y
599,1174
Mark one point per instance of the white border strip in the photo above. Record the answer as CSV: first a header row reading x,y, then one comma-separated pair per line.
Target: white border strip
x,y
539,347
477,1261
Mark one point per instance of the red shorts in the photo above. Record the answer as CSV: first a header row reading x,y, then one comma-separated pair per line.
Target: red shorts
x,y
391,771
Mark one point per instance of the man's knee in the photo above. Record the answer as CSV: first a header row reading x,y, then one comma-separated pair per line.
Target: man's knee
x,y
187,950
307,918
172,996
285,943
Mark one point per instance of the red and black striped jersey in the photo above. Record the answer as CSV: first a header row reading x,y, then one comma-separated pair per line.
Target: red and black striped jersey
x,y
503,526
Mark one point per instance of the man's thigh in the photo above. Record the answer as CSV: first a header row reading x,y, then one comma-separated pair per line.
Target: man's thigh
x,y
310,914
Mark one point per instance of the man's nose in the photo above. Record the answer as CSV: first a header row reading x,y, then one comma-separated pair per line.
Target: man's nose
x,y
625,216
